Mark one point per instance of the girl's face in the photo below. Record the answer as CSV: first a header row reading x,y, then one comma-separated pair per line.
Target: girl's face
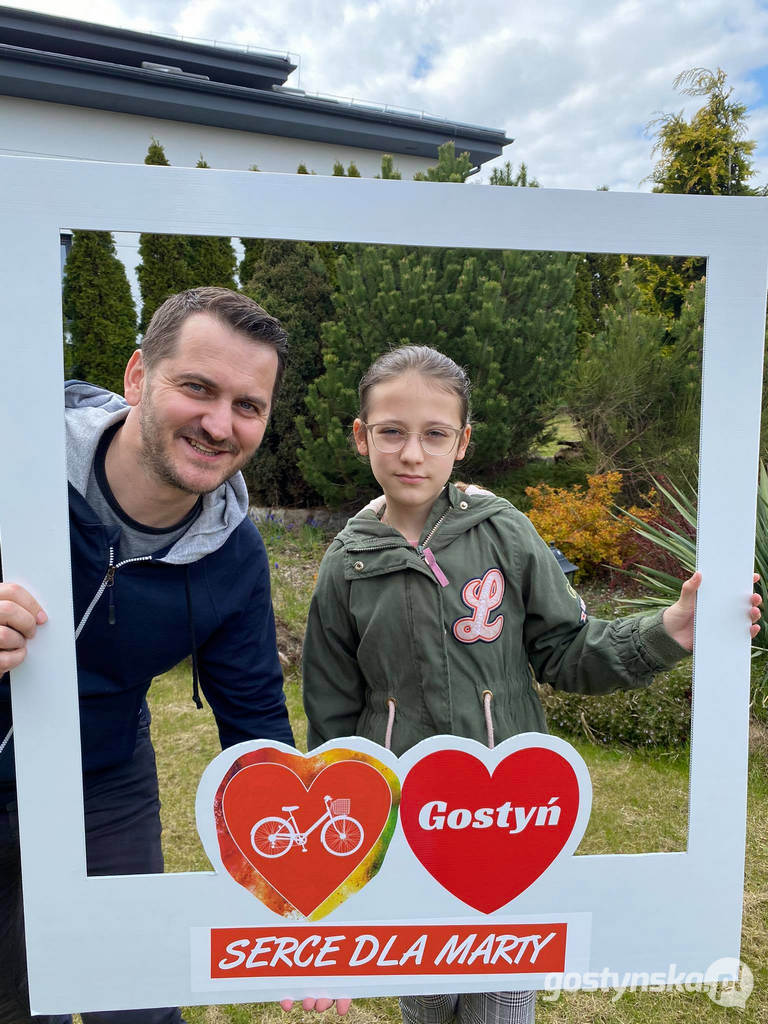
x,y
412,479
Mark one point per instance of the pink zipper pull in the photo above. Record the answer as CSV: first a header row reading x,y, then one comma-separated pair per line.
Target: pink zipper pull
x,y
431,561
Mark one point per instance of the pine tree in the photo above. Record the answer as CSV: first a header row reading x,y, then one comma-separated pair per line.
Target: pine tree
x,y
210,261
163,268
505,176
290,280
449,167
99,311
388,168
351,171
634,390
505,316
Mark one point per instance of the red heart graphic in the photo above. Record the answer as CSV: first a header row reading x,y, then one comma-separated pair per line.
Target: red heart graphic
x,y
304,825
460,820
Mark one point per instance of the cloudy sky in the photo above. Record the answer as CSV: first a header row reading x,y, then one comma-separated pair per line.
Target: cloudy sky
x,y
574,84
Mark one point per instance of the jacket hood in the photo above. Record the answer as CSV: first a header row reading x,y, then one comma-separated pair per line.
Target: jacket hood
x,y
458,511
88,412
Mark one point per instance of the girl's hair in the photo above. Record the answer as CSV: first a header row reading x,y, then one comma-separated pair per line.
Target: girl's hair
x,y
418,359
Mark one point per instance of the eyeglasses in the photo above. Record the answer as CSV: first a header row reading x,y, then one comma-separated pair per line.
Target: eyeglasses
x,y
389,439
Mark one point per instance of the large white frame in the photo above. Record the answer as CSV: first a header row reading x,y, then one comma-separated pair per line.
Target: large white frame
x,y
116,942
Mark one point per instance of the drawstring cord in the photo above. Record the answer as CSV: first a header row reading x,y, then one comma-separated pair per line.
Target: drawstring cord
x,y
391,704
195,678
487,698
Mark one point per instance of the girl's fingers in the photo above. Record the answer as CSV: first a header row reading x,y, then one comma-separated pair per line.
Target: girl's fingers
x,y
688,590
319,1005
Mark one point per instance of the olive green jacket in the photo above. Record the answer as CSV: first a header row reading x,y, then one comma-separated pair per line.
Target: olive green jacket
x,y
382,626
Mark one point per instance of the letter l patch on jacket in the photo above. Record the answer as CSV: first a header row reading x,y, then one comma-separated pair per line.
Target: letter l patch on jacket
x,y
482,596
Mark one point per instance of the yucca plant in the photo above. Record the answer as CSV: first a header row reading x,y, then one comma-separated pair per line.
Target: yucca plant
x,y
663,588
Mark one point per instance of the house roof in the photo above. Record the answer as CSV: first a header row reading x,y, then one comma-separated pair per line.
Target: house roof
x,y
61,60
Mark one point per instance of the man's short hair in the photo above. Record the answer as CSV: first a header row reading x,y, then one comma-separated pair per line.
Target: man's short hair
x,y
232,308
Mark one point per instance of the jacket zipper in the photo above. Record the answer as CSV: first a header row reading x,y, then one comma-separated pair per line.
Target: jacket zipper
x,y
108,582
427,554
424,552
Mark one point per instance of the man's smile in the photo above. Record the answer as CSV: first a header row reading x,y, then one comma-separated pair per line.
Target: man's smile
x,y
205,449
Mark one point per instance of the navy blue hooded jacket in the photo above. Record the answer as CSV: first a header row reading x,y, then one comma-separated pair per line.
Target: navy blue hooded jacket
x,y
209,592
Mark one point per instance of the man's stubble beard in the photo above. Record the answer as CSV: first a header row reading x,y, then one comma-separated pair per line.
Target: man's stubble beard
x,y
156,460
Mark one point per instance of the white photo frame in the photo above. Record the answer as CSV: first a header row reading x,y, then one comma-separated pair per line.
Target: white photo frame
x,y
111,943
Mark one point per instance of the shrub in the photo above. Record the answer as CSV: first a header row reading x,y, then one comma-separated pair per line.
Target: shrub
x,y
581,522
513,483
634,390
659,716
506,315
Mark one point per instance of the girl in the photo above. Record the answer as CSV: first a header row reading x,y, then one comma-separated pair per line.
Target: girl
x,y
431,610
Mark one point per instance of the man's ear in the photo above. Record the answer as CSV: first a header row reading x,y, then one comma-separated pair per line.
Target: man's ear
x,y
135,378
361,436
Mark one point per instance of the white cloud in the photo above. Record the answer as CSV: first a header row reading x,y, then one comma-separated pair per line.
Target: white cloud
x,y
573,84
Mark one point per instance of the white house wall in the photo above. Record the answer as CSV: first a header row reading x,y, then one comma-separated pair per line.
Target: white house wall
x,y
39,129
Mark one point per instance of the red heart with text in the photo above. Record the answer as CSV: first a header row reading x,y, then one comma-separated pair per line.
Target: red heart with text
x,y
487,837
304,826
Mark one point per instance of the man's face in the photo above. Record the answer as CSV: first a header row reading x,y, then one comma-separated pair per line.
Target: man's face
x,y
203,410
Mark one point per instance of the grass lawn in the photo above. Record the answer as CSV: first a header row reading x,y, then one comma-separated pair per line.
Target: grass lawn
x,y
640,805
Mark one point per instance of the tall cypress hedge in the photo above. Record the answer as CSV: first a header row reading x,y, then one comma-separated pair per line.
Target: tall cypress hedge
x,y
100,317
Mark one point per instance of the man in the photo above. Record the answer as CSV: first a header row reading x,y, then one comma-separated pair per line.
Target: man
x,y
165,563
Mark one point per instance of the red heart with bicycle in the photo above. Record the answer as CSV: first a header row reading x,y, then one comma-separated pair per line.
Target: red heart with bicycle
x,y
486,836
304,833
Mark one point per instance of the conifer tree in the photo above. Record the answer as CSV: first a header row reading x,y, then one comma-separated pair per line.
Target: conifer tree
x,y
508,319
163,267
597,275
505,176
449,166
99,311
351,171
710,154
634,391
388,168
290,280
210,261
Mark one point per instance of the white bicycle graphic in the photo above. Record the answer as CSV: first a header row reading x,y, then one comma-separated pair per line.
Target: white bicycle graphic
x,y
341,834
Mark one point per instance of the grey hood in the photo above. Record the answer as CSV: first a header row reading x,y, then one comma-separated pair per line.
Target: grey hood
x,y
88,412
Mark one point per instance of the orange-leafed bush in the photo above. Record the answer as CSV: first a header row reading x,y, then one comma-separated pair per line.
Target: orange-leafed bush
x,y
581,523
